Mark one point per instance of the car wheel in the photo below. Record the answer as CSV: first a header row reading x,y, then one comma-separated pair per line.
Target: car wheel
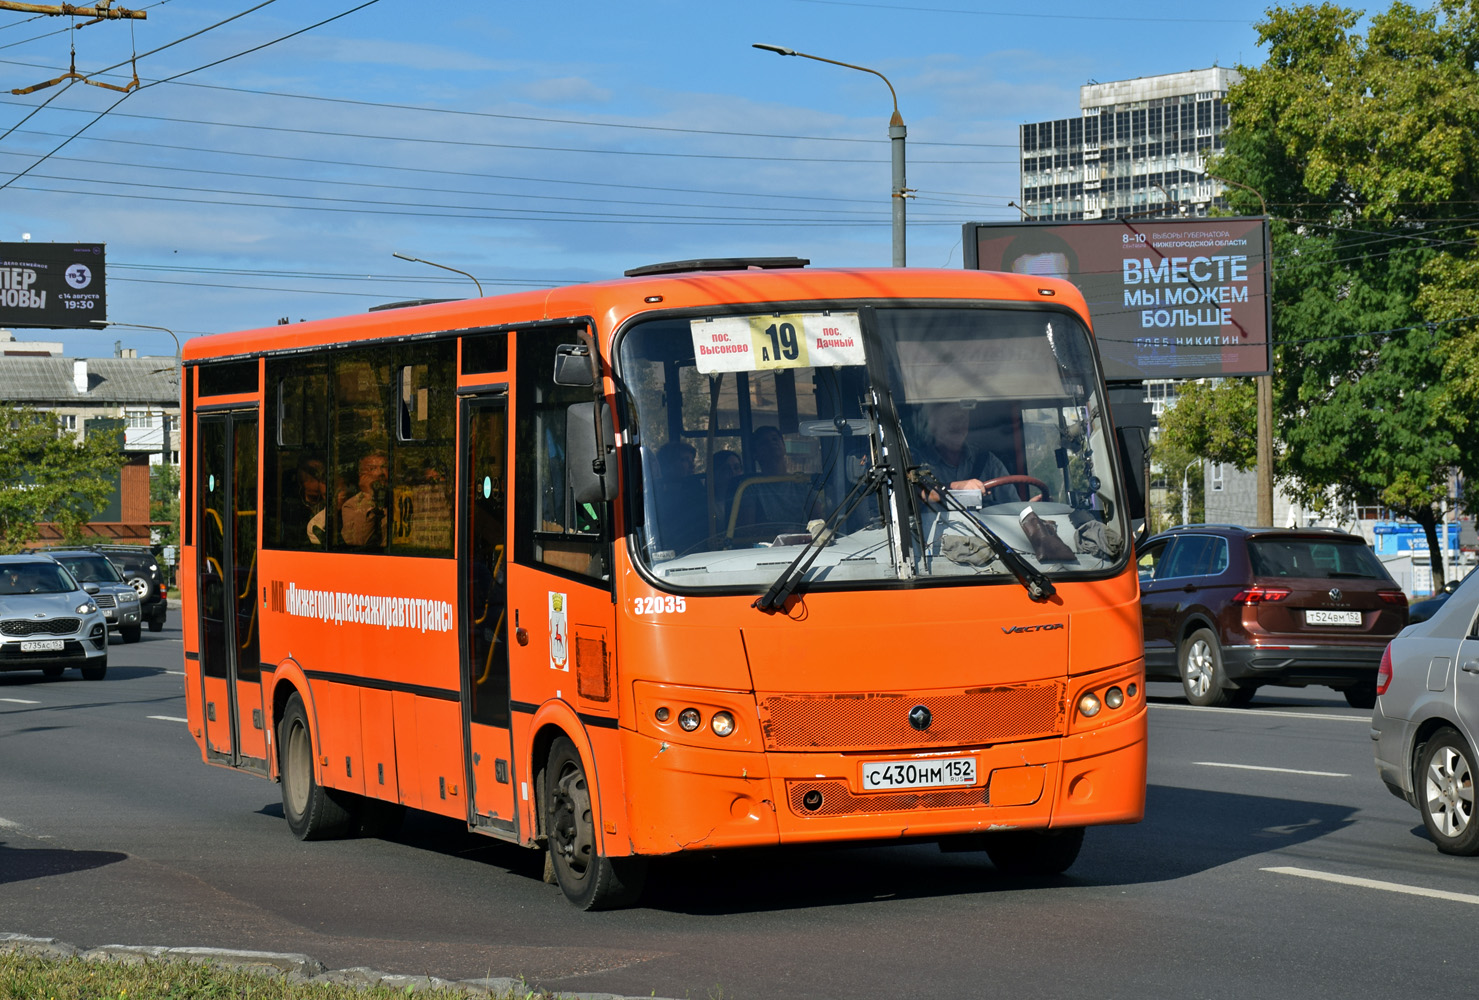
x,y
140,586
1201,670
1445,793
312,811
52,673
95,671
588,878
1034,852
1360,696
156,624
131,633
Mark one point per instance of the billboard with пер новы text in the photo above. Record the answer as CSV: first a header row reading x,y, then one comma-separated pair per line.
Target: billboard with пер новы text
x,y
56,285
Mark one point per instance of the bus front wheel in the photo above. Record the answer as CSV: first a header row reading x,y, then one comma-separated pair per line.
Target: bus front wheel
x,y
1034,852
312,811
589,879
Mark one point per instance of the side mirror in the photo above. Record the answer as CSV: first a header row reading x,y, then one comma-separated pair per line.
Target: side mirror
x,y
92,588
573,365
590,452
1132,449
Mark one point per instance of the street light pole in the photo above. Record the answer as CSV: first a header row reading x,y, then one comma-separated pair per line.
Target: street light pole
x,y
444,267
164,447
896,135
1185,493
1264,386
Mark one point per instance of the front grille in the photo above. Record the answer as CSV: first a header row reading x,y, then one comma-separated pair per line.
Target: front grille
x,y
881,721
839,800
105,600
34,626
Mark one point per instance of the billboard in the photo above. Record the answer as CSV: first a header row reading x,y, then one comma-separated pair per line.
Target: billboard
x,y
1177,298
52,285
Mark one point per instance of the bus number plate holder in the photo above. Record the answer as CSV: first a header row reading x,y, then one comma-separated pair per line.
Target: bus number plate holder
x,y
938,772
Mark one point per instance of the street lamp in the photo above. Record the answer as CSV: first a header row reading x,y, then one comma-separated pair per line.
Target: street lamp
x,y
1264,384
896,134
164,449
444,267
1185,494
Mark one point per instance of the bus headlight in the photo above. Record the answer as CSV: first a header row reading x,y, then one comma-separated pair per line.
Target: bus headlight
x,y
1114,697
689,719
722,723
1089,705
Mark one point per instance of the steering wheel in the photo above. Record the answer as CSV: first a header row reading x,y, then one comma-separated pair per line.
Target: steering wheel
x,y
990,484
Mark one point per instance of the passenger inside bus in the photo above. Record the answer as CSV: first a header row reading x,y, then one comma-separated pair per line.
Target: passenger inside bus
x,y
725,471
775,500
680,497
362,517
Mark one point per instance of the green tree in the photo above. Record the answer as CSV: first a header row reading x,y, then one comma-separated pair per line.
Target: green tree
x,y
164,501
47,475
1365,148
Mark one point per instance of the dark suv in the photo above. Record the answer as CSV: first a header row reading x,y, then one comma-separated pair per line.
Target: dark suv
x,y
1228,609
140,568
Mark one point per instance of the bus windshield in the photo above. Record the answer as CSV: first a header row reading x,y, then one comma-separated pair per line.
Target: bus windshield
x,y
900,443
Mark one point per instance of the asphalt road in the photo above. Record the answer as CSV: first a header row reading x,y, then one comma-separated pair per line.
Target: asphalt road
x,y
1251,876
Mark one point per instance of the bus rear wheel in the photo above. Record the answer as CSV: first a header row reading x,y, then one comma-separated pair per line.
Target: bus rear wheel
x,y
312,811
589,879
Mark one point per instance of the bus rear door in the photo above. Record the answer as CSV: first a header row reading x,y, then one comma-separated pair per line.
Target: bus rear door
x,y
231,674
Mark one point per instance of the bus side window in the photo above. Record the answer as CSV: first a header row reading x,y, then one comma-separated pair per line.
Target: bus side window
x,y
554,530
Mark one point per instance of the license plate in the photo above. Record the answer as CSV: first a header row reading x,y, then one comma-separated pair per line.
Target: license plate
x,y
940,772
43,646
110,614
1313,617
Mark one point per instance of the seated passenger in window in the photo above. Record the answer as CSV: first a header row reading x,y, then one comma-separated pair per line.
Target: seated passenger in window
x,y
725,472
680,498
776,500
362,518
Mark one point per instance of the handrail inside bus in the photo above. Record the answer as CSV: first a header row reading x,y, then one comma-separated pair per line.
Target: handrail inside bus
x,y
752,481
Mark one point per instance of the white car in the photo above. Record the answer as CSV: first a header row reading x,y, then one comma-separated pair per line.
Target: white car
x,y
49,621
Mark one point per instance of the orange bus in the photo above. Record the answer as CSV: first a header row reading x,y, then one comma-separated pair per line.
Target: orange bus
x,y
722,554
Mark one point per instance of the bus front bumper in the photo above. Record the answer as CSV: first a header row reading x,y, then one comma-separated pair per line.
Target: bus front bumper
x,y
680,797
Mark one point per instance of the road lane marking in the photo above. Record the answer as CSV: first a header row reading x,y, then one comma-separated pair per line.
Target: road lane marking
x,y
1371,883
168,718
1265,711
1280,770
20,701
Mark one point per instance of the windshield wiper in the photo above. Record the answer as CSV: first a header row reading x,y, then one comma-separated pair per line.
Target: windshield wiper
x,y
785,585
1036,582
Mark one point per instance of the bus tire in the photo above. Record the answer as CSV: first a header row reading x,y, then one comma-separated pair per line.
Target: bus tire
x,y
589,879
312,811
1034,852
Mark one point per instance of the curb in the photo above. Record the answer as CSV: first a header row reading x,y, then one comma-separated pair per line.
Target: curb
x,y
291,965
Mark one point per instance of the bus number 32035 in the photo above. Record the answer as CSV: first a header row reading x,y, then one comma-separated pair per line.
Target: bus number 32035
x,y
659,604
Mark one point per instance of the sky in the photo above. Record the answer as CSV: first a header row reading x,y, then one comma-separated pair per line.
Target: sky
x,y
276,155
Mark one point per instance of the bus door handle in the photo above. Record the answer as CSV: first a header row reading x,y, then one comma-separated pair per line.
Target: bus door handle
x,y
520,633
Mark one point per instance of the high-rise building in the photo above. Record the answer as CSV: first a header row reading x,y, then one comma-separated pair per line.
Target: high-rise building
x,y
1137,145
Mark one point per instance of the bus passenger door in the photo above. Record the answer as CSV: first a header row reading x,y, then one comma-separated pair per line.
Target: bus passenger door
x,y
227,566
482,552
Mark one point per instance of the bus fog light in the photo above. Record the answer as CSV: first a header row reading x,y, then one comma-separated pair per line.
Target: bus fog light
x,y
1089,705
688,719
1114,697
662,714
1132,689
722,723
